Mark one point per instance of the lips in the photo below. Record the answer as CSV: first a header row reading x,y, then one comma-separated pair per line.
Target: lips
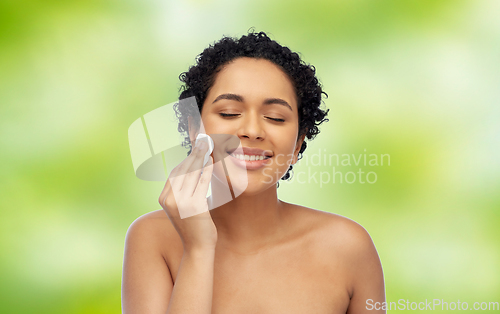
x,y
250,158
251,151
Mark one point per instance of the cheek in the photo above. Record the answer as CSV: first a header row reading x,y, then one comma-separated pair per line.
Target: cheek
x,y
212,125
284,160
285,151
285,139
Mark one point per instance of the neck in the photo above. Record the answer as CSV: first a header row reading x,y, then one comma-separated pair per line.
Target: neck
x,y
249,222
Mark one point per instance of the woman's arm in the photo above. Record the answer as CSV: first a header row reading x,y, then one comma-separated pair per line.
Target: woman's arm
x,y
193,289
146,282
368,290
147,286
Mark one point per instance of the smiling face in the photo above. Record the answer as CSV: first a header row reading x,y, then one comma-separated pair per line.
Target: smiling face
x,y
254,100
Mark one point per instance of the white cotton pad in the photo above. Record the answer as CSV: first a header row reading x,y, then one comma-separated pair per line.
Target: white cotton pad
x,y
202,137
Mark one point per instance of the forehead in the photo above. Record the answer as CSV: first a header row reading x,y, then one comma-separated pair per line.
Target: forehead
x,y
253,78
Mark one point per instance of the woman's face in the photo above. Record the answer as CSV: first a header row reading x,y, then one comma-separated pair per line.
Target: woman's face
x,y
254,100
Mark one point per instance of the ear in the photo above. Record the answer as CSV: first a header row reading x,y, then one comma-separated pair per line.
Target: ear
x,y
300,140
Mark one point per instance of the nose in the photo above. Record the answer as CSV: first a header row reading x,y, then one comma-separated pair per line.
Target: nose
x,y
251,127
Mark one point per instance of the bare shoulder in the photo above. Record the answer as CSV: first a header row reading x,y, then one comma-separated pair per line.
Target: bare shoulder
x,y
150,223
337,232
333,225
154,231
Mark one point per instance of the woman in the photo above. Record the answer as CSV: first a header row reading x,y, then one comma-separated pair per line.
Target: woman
x,y
256,253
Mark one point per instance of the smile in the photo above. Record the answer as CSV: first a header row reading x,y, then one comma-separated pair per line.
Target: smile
x,y
249,157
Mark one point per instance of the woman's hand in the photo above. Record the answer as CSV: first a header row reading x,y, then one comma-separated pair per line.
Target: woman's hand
x,y
184,200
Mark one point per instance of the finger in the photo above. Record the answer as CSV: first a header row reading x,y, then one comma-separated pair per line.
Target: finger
x,y
173,183
193,172
177,175
204,181
173,177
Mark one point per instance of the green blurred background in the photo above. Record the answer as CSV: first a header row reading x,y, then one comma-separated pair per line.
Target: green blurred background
x,y
418,80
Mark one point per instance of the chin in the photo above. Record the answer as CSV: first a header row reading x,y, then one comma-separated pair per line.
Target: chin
x,y
257,186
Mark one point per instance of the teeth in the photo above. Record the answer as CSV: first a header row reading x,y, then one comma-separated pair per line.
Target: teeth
x,y
248,157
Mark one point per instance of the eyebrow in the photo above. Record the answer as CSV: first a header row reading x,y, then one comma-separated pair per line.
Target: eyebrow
x,y
267,101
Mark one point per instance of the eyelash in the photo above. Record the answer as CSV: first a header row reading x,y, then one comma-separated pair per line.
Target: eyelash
x,y
229,115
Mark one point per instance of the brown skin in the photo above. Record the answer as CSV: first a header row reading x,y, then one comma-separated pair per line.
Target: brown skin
x,y
255,254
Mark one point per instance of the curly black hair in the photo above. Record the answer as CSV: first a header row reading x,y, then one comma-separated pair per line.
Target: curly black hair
x,y
201,77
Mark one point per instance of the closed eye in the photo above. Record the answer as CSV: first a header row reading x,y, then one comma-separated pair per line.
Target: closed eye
x,y
276,119
228,115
